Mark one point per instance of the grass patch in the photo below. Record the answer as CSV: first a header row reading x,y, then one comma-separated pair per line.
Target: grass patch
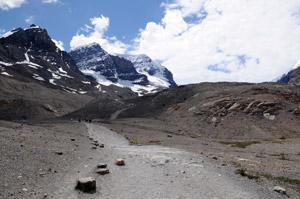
x,y
281,179
240,144
145,142
274,154
154,141
284,157
245,173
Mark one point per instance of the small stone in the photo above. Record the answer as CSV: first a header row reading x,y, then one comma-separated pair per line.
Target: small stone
x,y
169,135
86,184
120,162
59,153
102,171
215,158
94,147
101,145
24,189
95,143
45,196
214,119
102,166
280,190
73,139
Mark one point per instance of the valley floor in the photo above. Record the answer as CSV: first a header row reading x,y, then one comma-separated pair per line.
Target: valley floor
x,y
44,160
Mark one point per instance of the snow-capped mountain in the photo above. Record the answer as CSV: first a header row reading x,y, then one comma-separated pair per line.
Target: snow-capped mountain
x,y
157,74
139,73
292,76
30,55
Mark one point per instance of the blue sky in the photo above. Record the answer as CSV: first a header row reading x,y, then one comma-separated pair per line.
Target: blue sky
x,y
64,18
198,40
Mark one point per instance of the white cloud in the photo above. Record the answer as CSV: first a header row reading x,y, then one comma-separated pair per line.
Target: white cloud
x,y
224,40
50,1
29,20
96,33
10,4
59,44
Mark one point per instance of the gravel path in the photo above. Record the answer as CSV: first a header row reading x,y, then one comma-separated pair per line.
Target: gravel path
x,y
156,172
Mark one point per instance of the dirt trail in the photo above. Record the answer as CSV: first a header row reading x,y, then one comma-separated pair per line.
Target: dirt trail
x,y
155,172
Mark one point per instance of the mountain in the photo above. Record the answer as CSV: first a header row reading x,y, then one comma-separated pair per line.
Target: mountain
x,y
39,80
30,55
292,76
157,74
139,73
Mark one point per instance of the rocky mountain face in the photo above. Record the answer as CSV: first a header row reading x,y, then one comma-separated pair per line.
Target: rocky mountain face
x,y
292,76
40,80
30,55
139,73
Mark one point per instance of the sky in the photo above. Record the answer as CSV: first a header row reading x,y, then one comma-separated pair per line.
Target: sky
x,y
197,40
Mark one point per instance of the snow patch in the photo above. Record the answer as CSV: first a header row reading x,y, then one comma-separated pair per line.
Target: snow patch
x,y
56,76
9,33
6,74
37,77
32,27
82,92
51,81
296,65
86,82
98,87
62,70
29,63
65,75
72,89
5,63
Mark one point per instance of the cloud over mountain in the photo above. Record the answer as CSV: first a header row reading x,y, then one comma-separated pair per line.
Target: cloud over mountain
x,y
95,32
201,40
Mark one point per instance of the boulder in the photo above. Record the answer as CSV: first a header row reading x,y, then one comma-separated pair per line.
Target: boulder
x,y
280,190
120,162
102,166
102,171
86,184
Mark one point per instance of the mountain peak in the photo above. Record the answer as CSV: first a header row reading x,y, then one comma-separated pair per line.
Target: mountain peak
x,y
137,72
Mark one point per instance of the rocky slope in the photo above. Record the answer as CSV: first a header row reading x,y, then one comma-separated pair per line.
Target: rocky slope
x,y
139,73
218,110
